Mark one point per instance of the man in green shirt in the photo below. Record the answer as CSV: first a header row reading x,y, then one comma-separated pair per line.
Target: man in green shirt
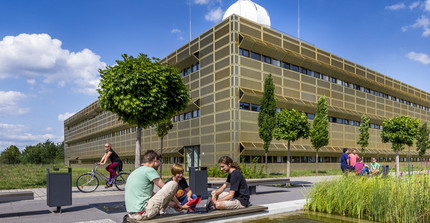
x,y
139,201
374,166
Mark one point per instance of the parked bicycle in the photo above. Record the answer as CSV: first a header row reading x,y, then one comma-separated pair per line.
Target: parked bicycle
x,y
88,182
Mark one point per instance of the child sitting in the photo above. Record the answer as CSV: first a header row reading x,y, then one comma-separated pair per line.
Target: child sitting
x,y
184,193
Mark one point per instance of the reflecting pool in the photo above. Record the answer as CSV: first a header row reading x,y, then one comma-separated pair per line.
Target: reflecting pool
x,y
306,217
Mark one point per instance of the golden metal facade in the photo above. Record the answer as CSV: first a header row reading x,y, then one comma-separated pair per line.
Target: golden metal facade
x,y
225,79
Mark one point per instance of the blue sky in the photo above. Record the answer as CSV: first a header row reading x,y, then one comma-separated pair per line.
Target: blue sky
x,y
50,50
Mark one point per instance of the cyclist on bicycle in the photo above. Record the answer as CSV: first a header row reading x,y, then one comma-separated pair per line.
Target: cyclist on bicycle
x,y
111,168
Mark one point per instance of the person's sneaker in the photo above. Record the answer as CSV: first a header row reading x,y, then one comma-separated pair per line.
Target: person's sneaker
x,y
108,185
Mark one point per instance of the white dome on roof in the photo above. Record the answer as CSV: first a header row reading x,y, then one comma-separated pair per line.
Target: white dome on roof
x,y
249,10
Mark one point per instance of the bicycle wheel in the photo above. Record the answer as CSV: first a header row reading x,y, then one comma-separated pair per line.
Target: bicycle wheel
x,y
120,180
87,182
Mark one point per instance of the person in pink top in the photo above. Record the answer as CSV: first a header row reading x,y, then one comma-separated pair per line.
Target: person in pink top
x,y
353,157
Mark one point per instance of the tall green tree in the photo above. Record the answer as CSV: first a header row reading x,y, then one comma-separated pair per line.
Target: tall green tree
x,y
422,142
267,115
291,125
319,132
32,154
363,138
399,131
162,129
11,155
60,151
142,92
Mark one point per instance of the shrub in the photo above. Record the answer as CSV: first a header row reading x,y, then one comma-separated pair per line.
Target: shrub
x,y
248,171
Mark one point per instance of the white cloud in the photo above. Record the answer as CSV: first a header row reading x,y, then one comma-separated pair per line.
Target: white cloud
x,y
214,15
176,31
32,56
201,2
423,22
396,6
48,129
427,5
17,135
419,57
62,117
414,5
8,103
31,81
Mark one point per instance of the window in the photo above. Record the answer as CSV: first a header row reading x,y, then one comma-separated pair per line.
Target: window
x,y
196,113
295,68
339,82
351,122
339,121
345,84
244,52
367,90
318,75
372,92
294,159
325,77
311,116
244,106
188,115
267,59
351,85
187,71
333,80
195,67
303,70
361,88
286,65
376,93
175,119
255,108
304,159
311,73
276,62
357,123
372,126
278,110
357,87
345,121
333,119
255,56
181,117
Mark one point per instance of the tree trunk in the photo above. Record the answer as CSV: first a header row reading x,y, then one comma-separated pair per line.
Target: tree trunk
x,y
138,141
288,161
265,161
397,162
316,164
161,153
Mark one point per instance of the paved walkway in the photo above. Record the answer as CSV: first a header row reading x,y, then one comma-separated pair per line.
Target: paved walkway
x,y
107,205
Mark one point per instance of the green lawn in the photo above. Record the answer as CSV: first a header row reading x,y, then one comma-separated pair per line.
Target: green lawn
x,y
21,176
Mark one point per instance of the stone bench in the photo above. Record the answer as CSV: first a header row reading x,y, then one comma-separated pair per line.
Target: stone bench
x,y
253,183
203,216
16,196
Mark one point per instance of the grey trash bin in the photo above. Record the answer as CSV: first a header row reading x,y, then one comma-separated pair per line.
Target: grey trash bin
x,y
59,188
199,181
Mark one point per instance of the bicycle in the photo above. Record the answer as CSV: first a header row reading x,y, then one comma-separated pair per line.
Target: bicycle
x,y
88,182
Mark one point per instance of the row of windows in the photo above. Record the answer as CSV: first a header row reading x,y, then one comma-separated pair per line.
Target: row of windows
x,y
326,159
312,73
186,116
311,116
187,71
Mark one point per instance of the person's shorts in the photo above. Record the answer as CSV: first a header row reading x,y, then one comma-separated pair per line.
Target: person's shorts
x,y
231,204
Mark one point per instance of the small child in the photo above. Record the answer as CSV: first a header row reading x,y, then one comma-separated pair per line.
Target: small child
x,y
184,193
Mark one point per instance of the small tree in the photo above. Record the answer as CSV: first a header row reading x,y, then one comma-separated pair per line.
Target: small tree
x,y
11,155
162,129
291,125
399,131
363,138
142,92
319,132
266,116
422,139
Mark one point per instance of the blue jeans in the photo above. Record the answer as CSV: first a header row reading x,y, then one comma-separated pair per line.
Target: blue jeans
x,y
184,199
365,170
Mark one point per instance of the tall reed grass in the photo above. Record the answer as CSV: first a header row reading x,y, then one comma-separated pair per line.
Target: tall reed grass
x,y
376,198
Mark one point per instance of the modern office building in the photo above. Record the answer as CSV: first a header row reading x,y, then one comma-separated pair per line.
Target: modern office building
x,y
225,68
